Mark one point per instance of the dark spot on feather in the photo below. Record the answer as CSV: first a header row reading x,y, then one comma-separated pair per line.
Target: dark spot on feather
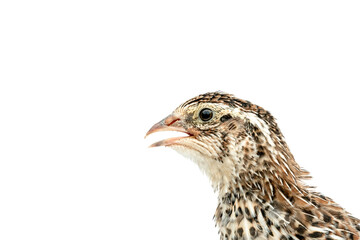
x,y
247,211
263,213
227,198
240,211
300,229
248,194
327,218
306,198
309,218
351,236
228,212
245,104
308,215
240,231
283,237
268,222
252,231
316,234
315,224
260,153
225,118
314,203
300,237
322,197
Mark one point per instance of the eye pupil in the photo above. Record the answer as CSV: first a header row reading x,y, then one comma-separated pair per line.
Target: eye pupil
x,y
206,114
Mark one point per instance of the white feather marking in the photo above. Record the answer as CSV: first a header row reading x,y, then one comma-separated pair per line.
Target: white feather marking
x,y
287,200
287,185
288,168
284,170
251,208
282,155
336,237
277,234
296,188
317,229
246,229
262,221
309,203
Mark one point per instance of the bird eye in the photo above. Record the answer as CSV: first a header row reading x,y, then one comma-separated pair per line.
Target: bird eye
x,y
206,114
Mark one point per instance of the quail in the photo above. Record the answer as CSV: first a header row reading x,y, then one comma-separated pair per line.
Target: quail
x,y
261,189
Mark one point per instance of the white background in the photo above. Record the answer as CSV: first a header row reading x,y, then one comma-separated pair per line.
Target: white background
x,y
82,81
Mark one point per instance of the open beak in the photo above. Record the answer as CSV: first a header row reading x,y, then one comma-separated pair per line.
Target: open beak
x,y
170,123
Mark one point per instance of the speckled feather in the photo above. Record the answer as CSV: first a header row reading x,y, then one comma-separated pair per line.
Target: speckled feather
x,y
261,190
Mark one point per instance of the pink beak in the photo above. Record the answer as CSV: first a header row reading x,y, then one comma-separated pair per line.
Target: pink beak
x,y
170,123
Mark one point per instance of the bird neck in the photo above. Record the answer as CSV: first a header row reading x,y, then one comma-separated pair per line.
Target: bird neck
x,y
254,205
265,184
258,165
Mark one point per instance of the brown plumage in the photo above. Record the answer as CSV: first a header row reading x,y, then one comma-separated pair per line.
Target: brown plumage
x,y
261,191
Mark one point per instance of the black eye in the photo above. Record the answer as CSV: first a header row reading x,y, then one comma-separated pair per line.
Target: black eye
x,y
206,114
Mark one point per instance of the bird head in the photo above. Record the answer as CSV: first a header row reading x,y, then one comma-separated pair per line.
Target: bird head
x,y
241,149
226,136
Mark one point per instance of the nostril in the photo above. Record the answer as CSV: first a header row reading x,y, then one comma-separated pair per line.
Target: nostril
x,y
174,121
170,120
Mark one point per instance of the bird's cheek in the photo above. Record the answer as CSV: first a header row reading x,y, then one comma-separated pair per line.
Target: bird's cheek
x,y
193,131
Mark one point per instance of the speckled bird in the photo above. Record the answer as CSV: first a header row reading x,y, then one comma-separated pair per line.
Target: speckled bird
x,y
261,189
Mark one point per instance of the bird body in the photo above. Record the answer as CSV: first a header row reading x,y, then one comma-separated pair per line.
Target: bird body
x,y
261,193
